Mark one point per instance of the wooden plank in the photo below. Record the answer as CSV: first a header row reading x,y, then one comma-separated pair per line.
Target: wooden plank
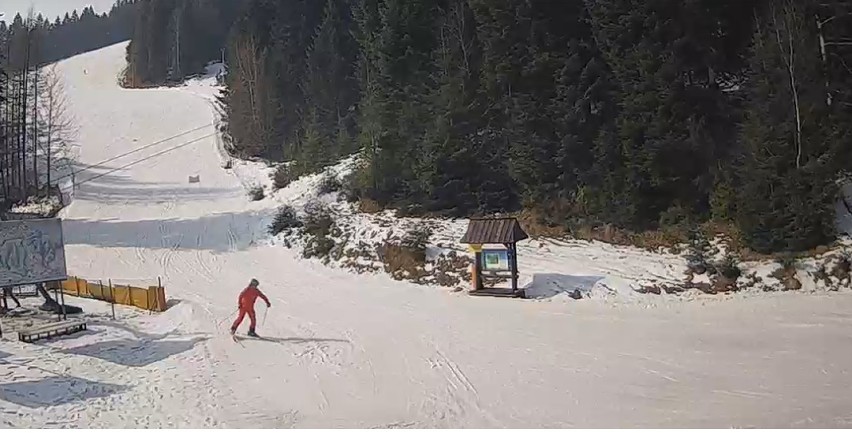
x,y
54,327
31,337
48,329
499,293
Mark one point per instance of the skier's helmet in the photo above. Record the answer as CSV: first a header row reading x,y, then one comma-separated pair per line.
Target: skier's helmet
x,y
254,283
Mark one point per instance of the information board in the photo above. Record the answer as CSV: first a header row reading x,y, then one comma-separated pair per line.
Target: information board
x,y
31,251
496,261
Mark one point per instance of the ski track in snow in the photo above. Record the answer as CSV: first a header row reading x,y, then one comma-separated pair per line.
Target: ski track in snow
x,y
363,351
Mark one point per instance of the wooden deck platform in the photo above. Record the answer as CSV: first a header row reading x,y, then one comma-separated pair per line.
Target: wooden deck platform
x,y
52,330
499,293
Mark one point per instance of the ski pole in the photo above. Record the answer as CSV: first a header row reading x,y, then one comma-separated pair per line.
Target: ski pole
x,y
219,323
263,322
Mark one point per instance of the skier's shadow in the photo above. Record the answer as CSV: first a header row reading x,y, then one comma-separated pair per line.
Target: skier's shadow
x,y
295,340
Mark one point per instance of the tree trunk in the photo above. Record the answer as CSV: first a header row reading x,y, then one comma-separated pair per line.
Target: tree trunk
x,y
789,57
35,130
23,139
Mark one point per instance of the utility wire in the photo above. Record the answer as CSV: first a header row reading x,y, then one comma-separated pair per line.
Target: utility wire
x,y
76,172
163,152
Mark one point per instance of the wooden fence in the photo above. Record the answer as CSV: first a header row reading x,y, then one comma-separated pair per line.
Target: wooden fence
x,y
152,299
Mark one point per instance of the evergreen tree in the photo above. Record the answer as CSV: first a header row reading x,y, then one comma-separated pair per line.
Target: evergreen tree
x,y
267,65
670,59
787,180
834,31
367,17
330,90
403,47
548,87
634,113
172,39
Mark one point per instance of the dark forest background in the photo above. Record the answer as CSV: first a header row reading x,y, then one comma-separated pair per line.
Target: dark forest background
x,y
635,114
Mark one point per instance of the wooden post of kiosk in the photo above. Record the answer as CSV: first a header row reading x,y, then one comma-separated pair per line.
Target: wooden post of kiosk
x,y
476,273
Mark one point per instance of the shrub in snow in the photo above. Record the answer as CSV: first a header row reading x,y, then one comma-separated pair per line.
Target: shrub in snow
x,y
786,274
416,239
285,219
451,269
696,257
366,205
406,258
843,269
674,216
318,224
729,268
787,261
409,210
350,187
283,177
256,193
329,184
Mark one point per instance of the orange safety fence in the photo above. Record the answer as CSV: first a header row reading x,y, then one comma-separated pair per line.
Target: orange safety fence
x,y
152,299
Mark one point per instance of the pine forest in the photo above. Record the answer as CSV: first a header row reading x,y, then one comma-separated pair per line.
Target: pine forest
x,y
640,115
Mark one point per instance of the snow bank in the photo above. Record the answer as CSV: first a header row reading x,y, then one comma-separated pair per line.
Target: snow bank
x,y
44,206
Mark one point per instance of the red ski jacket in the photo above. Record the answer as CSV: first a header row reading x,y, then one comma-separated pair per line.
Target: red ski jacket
x,y
248,297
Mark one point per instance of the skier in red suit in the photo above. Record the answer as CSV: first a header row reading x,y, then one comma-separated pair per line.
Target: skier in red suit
x,y
246,303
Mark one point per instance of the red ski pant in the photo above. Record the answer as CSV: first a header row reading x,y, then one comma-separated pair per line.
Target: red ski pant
x,y
243,312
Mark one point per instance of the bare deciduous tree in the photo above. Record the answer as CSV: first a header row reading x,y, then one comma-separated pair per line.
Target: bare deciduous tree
x,y
252,97
57,127
791,25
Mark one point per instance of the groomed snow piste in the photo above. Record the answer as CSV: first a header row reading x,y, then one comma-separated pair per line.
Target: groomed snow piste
x,y
364,351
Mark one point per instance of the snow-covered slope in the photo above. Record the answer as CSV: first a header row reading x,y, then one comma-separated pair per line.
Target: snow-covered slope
x,y
364,351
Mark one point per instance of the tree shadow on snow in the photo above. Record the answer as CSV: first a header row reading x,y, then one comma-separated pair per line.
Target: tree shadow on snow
x,y
135,353
140,335
219,233
55,391
544,286
102,185
101,174
130,195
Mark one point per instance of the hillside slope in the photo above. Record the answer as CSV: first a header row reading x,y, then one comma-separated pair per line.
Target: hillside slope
x,y
348,350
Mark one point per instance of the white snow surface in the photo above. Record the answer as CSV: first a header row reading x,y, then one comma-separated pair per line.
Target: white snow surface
x,y
349,350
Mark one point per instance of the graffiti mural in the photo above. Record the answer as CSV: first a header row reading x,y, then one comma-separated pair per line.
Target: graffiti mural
x,y
31,251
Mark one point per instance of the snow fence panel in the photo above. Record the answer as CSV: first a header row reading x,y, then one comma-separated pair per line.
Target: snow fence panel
x,y
134,296
98,291
152,298
75,287
121,295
